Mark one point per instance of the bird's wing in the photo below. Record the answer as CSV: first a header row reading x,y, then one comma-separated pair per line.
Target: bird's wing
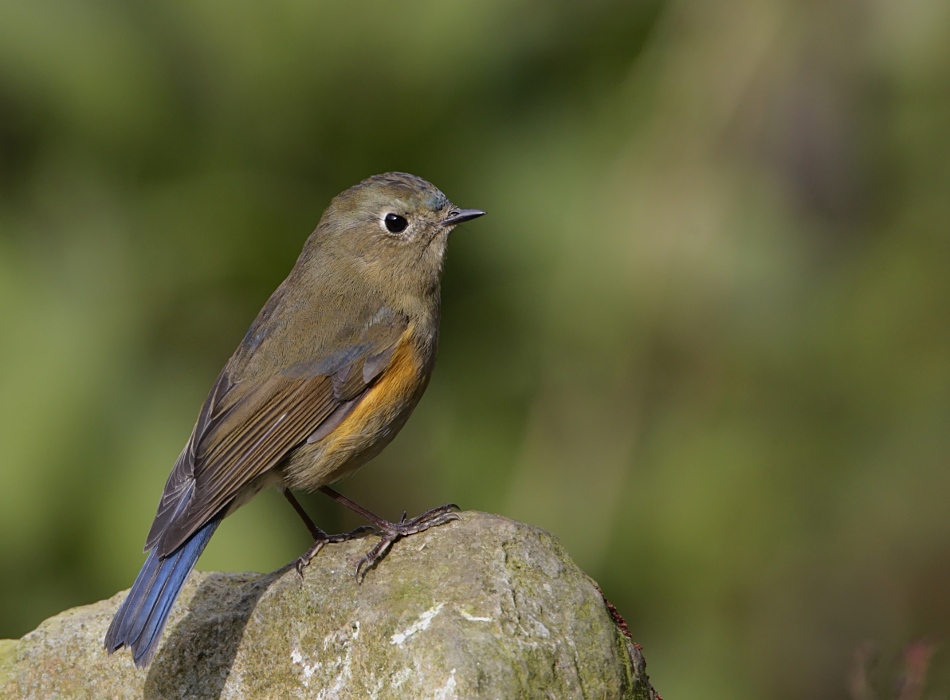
x,y
243,432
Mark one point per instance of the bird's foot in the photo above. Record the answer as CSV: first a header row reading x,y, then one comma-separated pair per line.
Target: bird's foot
x,y
322,538
393,531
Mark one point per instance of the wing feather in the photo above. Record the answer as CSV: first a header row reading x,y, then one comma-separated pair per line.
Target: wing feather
x,y
244,431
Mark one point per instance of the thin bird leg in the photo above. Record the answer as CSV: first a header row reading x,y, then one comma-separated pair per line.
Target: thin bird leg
x,y
392,531
320,538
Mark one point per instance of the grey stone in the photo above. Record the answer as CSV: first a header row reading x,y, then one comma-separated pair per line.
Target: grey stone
x,y
480,608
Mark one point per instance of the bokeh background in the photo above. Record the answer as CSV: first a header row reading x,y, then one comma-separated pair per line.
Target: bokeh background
x,y
703,335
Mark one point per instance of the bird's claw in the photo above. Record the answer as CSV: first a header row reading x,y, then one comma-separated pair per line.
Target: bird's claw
x,y
303,561
394,531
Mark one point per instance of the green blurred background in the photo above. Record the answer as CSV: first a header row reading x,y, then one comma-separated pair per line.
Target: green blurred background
x,y
703,335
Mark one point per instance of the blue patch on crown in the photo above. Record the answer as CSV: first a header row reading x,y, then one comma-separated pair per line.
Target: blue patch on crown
x,y
437,201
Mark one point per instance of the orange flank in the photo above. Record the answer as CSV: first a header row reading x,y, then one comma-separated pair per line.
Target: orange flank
x,y
374,421
392,394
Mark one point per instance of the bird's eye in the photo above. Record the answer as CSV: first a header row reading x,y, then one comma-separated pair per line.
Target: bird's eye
x,y
395,223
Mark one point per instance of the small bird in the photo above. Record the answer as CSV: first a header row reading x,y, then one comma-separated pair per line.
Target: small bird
x,y
326,376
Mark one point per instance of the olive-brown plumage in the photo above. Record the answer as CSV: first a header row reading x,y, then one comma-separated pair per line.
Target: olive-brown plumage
x,y
326,376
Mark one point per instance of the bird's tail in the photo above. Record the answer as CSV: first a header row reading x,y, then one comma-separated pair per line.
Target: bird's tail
x,y
139,622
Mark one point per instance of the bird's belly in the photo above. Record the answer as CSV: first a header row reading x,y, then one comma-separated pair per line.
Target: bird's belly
x,y
362,435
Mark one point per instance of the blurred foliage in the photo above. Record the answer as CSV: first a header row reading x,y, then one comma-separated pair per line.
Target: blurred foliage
x,y
703,335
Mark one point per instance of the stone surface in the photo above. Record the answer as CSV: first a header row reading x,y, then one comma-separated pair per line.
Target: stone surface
x,y
480,608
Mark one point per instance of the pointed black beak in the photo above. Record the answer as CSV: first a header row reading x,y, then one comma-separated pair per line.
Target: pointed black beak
x,y
457,216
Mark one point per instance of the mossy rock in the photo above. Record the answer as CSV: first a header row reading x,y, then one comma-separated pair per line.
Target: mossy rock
x,y
484,607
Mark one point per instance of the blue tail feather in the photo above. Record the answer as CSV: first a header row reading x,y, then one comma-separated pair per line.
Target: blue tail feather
x,y
141,618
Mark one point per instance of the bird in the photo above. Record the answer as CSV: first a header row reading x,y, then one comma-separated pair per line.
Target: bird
x,y
327,374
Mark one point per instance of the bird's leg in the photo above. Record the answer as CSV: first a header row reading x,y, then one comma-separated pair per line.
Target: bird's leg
x,y
320,537
392,531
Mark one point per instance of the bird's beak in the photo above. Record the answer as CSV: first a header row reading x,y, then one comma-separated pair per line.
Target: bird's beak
x,y
457,216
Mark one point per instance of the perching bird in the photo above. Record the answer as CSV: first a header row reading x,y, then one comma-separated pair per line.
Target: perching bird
x,y
326,376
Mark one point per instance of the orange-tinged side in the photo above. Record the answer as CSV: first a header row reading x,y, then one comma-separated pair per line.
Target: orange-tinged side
x,y
372,424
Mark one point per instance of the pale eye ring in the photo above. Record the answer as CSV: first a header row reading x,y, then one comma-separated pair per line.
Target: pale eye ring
x,y
395,223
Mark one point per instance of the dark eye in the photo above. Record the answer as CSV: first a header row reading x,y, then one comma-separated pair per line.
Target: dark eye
x,y
395,223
